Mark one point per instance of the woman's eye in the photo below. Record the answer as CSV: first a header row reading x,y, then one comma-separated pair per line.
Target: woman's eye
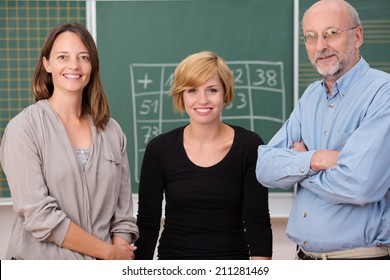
x,y
61,57
192,90
213,90
84,57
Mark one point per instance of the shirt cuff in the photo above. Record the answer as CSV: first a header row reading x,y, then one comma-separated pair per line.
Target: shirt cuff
x,y
59,232
302,166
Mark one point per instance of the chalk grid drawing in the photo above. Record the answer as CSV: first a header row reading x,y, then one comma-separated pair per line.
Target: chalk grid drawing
x,y
259,100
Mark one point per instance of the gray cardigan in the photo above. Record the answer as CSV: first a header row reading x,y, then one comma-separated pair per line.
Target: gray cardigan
x,y
49,188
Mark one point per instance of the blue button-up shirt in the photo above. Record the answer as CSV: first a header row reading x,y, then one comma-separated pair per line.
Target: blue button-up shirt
x,y
348,205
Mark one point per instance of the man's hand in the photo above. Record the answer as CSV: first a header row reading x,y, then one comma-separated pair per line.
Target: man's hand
x,y
324,159
299,147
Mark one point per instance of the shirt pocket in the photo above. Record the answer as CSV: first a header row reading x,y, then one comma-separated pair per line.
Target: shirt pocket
x,y
114,167
113,173
114,158
338,140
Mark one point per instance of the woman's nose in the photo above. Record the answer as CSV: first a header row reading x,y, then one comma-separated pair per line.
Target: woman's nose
x,y
203,98
74,63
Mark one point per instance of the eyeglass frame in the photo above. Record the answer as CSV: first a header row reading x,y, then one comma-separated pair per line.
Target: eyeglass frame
x,y
324,37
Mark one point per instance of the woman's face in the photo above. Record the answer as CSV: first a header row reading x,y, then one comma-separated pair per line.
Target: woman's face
x,y
69,64
204,104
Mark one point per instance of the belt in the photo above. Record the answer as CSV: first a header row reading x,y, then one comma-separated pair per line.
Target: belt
x,y
371,253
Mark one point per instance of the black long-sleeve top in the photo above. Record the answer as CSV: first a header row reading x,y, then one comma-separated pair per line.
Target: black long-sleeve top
x,y
217,212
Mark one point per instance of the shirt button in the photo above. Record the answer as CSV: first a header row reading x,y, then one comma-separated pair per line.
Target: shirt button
x,y
343,94
305,243
305,215
302,170
325,132
331,105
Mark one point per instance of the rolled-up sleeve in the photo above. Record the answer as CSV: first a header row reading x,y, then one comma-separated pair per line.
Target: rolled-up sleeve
x,y
22,165
123,223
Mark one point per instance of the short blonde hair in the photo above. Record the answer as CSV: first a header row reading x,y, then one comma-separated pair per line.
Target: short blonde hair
x,y
196,70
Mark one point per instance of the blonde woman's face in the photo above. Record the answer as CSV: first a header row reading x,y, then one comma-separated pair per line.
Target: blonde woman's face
x,y
204,104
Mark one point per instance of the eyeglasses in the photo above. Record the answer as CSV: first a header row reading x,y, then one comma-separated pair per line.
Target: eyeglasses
x,y
329,35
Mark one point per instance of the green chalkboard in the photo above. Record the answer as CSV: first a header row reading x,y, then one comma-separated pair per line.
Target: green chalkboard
x,y
24,26
375,18
136,38
140,43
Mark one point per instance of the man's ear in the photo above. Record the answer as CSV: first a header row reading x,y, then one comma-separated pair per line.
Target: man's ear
x,y
359,37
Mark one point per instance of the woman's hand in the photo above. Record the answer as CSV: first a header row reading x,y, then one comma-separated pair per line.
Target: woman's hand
x,y
121,249
122,252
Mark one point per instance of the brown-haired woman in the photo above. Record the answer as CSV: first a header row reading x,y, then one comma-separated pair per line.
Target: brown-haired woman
x,y
65,160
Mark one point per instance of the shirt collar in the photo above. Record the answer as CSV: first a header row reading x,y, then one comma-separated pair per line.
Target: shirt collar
x,y
345,82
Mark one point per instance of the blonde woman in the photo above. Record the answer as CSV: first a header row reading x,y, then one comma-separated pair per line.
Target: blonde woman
x,y
215,207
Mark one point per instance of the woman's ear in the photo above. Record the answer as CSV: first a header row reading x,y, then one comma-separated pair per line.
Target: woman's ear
x,y
46,64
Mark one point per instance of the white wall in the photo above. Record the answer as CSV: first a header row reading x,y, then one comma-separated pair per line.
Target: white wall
x,y
284,249
6,220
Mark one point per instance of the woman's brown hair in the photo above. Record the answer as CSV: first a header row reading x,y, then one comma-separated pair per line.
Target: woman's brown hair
x,y
94,99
